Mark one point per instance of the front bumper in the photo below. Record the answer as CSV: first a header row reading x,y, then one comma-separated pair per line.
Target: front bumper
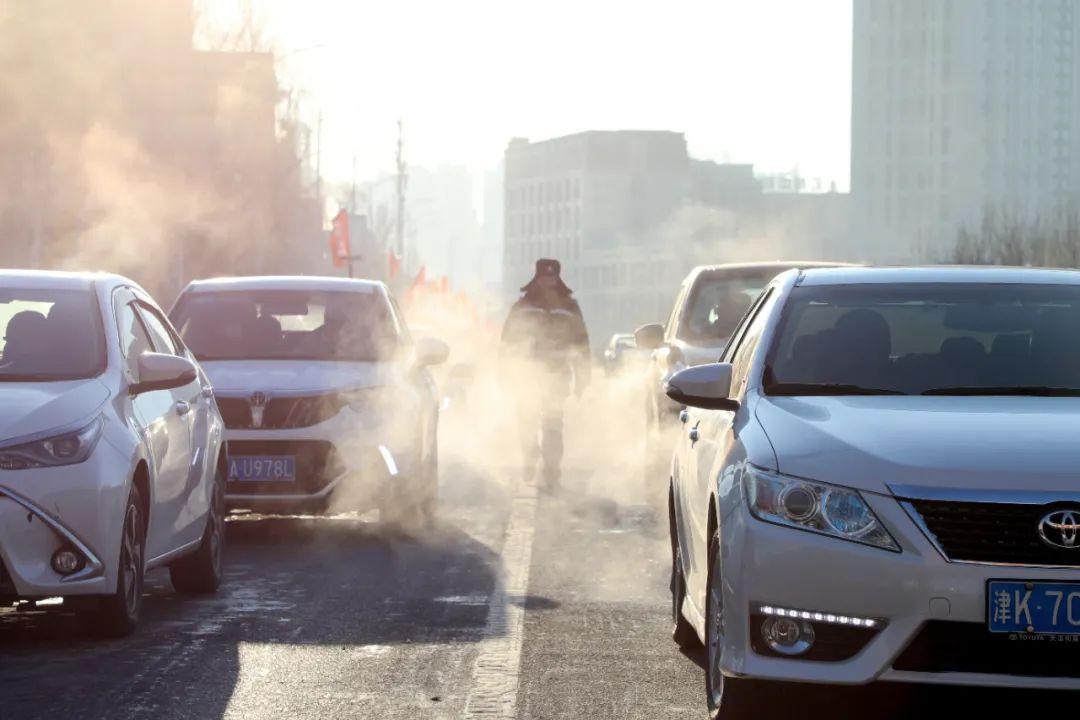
x,y
918,593
346,457
44,509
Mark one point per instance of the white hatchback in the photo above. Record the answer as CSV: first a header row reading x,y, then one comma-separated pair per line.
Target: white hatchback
x,y
878,481
326,397
111,457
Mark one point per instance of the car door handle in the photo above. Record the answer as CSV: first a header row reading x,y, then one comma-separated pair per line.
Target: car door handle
x,y
182,407
684,415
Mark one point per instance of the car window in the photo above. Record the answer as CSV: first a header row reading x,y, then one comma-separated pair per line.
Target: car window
x,y
134,340
736,337
288,325
928,338
716,304
163,340
748,343
48,334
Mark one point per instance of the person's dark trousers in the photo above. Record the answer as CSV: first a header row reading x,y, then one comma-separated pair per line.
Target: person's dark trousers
x,y
540,423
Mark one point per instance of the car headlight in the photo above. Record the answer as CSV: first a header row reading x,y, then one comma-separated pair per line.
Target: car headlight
x,y
817,507
67,449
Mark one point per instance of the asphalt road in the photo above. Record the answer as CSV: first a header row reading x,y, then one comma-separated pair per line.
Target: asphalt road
x,y
517,605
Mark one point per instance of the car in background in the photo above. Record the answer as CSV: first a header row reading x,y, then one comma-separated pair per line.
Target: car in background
x,y
325,395
621,354
878,482
111,453
709,304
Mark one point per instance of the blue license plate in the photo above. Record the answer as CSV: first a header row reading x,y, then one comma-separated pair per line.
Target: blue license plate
x,y
1049,608
262,468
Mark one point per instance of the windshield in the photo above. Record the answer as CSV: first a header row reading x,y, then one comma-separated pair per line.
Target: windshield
x,y
287,325
928,339
49,335
717,303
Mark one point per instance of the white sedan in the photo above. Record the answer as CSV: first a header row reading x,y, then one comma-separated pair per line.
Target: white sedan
x,y
878,482
327,399
111,457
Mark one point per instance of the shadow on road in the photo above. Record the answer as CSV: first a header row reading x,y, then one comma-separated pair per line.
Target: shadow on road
x,y
292,581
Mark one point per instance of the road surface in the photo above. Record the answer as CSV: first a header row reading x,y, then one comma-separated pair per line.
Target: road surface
x,y
517,605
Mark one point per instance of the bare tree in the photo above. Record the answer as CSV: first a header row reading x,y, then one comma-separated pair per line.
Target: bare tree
x,y
1004,239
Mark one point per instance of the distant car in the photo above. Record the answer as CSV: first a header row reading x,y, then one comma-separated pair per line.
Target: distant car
x,y
621,353
325,394
708,306
878,482
111,454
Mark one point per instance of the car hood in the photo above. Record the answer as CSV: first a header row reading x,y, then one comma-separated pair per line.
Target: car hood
x,y
295,377
32,408
978,443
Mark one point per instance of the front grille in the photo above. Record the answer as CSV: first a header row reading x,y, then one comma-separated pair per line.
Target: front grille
x,y
317,463
832,643
943,646
280,413
991,532
236,412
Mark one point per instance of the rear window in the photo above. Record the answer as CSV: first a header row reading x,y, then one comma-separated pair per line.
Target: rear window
x,y
288,325
50,335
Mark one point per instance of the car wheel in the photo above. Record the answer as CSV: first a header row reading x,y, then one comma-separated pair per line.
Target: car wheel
x,y
727,697
683,632
118,613
201,572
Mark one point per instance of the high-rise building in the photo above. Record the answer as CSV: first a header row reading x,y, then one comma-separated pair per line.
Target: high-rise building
x,y
959,108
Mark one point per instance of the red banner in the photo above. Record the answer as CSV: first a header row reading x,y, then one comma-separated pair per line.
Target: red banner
x,y
339,239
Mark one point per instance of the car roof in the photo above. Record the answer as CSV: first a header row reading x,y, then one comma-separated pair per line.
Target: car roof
x,y
938,274
59,280
757,268
283,282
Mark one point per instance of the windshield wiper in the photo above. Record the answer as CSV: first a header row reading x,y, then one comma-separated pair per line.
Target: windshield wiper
x,y
1032,390
825,389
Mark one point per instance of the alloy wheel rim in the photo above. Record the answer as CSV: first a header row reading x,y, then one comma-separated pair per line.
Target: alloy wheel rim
x,y
217,527
676,595
716,639
131,561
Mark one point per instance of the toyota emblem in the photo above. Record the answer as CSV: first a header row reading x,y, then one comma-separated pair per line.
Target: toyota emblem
x,y
1061,529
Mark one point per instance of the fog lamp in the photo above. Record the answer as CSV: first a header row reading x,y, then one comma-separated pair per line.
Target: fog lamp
x,y
66,561
787,636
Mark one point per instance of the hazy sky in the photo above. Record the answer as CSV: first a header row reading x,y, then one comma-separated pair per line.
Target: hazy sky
x,y
762,81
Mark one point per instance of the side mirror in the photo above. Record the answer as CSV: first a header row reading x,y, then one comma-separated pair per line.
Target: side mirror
x,y
703,386
430,351
649,337
158,371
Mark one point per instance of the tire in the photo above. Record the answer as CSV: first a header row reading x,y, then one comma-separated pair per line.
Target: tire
x,y
117,614
728,698
682,632
201,572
